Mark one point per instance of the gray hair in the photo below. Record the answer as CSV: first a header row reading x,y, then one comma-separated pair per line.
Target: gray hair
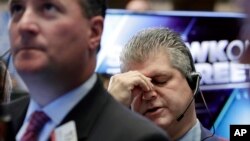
x,y
153,40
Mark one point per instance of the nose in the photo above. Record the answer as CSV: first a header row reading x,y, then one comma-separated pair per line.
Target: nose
x,y
28,25
150,95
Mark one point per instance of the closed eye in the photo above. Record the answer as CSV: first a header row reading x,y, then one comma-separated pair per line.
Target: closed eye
x,y
159,82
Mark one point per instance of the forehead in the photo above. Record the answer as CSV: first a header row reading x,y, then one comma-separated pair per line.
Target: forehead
x,y
70,5
153,64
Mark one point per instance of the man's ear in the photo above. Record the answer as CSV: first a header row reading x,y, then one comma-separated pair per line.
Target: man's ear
x,y
96,23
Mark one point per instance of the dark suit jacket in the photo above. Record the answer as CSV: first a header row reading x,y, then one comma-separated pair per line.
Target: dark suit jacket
x,y
98,117
207,134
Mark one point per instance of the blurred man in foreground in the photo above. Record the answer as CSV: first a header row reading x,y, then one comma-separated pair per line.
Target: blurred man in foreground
x,y
54,45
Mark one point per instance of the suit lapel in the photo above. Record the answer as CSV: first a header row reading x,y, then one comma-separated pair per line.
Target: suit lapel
x,y
87,110
205,133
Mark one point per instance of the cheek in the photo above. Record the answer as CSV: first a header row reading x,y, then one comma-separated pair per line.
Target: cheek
x,y
68,36
67,27
174,99
64,29
67,46
67,33
12,35
168,97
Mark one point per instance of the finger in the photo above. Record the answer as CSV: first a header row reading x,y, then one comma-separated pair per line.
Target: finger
x,y
145,82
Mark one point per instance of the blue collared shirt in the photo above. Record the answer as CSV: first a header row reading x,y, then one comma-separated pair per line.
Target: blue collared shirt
x,y
194,134
57,110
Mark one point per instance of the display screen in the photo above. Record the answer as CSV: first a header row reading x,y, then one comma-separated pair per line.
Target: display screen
x,y
213,39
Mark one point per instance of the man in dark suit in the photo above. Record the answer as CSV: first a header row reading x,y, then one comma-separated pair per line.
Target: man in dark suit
x,y
54,45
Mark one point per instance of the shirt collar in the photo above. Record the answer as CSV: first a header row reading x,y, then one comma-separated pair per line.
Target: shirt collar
x,y
59,108
194,134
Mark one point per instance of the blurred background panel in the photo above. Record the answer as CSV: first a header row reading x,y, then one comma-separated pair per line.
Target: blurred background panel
x,y
187,5
190,5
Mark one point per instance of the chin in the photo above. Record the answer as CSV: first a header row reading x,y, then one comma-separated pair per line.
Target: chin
x,y
162,122
29,67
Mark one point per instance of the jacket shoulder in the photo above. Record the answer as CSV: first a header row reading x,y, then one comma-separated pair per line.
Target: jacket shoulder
x,y
123,124
209,136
